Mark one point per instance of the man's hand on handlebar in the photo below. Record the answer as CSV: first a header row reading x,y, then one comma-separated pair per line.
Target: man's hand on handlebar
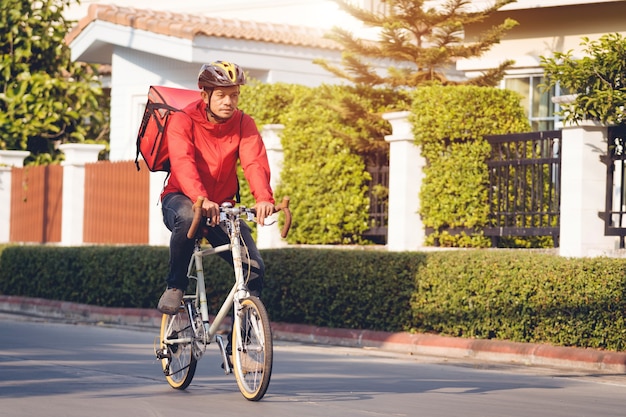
x,y
263,209
210,210
204,207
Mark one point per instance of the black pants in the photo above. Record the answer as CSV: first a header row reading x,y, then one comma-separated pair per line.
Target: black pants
x,y
177,216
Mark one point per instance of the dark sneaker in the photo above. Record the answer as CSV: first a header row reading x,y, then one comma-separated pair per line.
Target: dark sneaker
x,y
170,301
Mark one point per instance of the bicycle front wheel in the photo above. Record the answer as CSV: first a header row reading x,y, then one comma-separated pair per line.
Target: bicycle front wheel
x,y
177,359
253,349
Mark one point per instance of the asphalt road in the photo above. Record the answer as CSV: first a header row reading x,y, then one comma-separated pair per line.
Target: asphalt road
x,y
55,369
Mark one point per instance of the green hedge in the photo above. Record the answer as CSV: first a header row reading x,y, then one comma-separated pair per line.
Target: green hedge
x,y
341,288
98,275
449,124
523,296
517,295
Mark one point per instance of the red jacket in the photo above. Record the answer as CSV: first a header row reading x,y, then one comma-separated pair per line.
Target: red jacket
x,y
203,156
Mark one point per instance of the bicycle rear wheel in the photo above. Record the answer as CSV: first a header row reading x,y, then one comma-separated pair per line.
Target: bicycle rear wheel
x,y
253,350
177,359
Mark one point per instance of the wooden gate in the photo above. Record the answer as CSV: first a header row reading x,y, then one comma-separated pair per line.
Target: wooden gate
x,y
116,203
36,204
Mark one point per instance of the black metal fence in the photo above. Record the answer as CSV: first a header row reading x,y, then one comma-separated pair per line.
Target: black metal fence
x,y
615,210
524,185
379,207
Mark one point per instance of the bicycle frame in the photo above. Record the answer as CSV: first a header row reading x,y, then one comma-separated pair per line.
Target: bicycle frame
x,y
185,334
239,290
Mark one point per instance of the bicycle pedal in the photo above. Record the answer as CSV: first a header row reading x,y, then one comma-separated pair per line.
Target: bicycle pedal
x,y
161,355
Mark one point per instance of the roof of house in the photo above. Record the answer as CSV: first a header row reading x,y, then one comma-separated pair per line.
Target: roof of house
x,y
189,26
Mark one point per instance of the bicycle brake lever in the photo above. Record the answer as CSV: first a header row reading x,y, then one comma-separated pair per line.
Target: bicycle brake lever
x,y
266,223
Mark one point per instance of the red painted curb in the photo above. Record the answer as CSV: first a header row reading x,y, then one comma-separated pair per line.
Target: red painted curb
x,y
403,342
529,353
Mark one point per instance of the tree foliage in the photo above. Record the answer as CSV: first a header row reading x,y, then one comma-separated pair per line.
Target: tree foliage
x,y
420,39
418,43
597,80
45,98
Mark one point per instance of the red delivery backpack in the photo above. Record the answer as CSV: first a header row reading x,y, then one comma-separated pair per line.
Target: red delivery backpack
x,y
152,136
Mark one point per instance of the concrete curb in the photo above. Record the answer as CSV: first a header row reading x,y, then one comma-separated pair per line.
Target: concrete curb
x,y
412,344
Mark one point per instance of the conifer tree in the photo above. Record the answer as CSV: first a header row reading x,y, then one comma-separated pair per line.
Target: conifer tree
x,y
421,39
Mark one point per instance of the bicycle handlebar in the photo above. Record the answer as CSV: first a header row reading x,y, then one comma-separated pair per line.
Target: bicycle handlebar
x,y
197,216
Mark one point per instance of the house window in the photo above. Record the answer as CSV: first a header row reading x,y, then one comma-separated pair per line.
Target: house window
x,y
536,102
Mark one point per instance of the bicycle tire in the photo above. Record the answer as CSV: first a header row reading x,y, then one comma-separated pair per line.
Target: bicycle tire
x,y
179,365
253,360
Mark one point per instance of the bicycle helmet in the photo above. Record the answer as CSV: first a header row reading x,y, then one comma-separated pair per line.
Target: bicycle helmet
x,y
220,74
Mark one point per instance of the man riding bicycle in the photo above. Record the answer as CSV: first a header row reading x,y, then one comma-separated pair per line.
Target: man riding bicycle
x,y
205,141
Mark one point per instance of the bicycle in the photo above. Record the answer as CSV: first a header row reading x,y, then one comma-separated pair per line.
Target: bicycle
x,y
183,337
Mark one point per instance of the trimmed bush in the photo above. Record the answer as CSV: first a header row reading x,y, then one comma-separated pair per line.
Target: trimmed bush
x,y
449,123
341,288
518,295
98,275
326,182
523,296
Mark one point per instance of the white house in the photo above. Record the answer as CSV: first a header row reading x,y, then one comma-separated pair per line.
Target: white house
x,y
545,27
311,13
146,47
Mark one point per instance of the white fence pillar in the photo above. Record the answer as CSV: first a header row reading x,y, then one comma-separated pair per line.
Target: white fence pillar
x,y
405,230
158,233
583,187
8,159
76,156
268,237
